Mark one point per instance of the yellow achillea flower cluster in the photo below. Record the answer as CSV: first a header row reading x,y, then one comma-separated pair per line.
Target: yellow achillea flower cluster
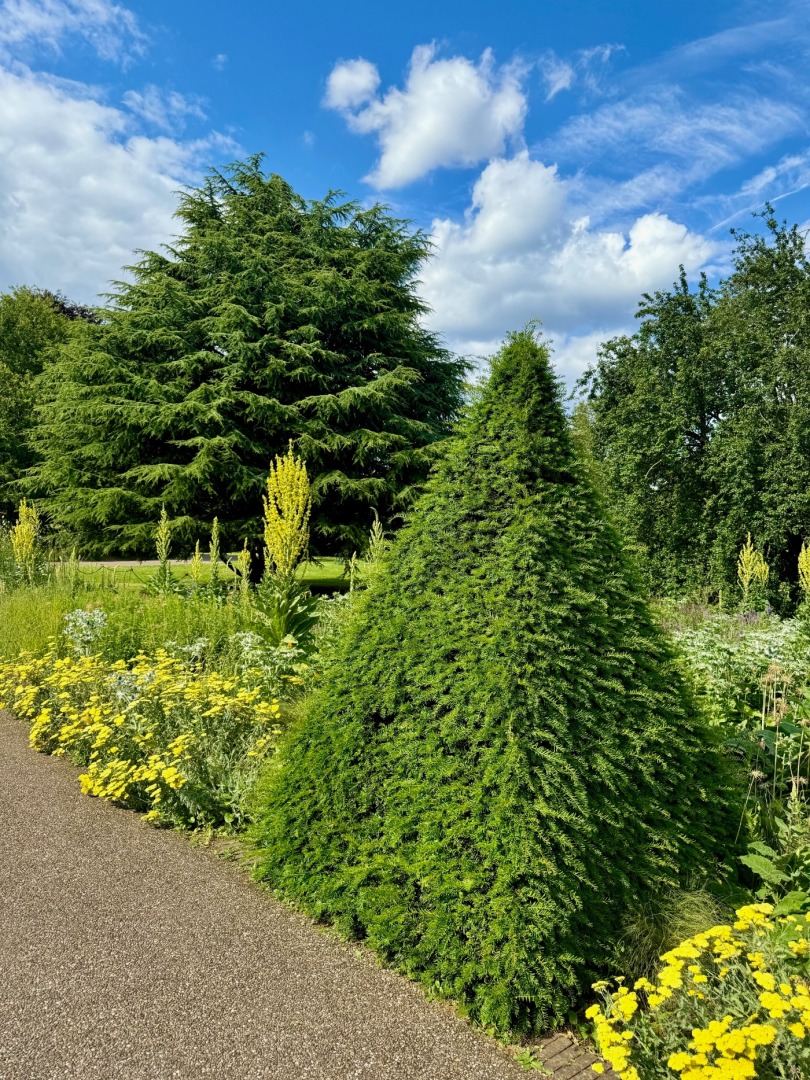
x,y
152,734
731,1003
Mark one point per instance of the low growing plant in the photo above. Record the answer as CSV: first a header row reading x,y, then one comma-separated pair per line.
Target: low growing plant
x,y
730,1003
153,734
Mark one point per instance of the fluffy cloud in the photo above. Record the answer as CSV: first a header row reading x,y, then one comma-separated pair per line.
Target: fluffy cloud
x,y
351,83
79,190
451,112
111,29
520,252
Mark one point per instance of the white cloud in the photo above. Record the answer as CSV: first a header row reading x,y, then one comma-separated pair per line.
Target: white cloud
x,y
351,83
587,67
79,191
219,62
520,252
558,74
707,137
111,29
733,43
165,109
451,112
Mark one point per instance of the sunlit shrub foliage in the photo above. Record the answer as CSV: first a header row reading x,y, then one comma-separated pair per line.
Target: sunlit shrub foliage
x,y
502,757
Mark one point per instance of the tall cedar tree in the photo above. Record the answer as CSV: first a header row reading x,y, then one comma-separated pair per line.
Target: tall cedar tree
x,y
701,420
272,318
33,322
502,756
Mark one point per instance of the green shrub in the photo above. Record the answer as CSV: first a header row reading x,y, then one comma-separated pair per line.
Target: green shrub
x,y
502,756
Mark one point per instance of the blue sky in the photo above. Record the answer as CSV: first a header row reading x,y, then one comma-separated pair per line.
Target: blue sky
x,y
564,157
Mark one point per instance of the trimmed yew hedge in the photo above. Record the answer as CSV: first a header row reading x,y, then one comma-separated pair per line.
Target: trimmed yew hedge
x,y
502,756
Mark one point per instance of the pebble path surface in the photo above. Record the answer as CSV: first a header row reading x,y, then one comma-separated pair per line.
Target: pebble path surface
x,y
127,953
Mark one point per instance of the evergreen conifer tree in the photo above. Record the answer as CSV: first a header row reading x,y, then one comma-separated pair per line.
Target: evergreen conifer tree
x,y
271,318
33,323
502,756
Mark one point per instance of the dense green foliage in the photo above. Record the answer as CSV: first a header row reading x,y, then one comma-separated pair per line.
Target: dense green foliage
x,y
701,419
270,319
32,323
502,758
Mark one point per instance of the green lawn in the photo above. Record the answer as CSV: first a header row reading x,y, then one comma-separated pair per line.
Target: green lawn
x,y
326,573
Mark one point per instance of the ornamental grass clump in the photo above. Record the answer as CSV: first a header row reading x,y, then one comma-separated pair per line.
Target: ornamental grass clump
x,y
501,757
730,1003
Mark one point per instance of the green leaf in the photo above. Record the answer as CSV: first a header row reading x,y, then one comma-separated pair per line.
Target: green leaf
x,y
766,869
792,904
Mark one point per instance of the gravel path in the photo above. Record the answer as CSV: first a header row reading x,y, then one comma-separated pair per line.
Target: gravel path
x,y
125,952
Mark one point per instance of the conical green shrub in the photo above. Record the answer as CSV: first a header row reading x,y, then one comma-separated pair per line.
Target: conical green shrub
x,y
502,755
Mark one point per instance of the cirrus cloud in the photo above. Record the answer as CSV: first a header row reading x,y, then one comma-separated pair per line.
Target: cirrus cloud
x,y
111,29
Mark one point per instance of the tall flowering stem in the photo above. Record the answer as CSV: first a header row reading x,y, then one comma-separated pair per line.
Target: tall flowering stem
x,y
287,509
25,541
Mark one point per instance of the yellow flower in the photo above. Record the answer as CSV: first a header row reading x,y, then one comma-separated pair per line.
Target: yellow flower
x,y
627,1006
775,1006
671,977
678,1062
760,1035
797,1030
765,980
598,1067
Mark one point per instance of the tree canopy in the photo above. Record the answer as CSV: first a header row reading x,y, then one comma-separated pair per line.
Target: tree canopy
x,y
502,756
270,318
701,419
33,322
